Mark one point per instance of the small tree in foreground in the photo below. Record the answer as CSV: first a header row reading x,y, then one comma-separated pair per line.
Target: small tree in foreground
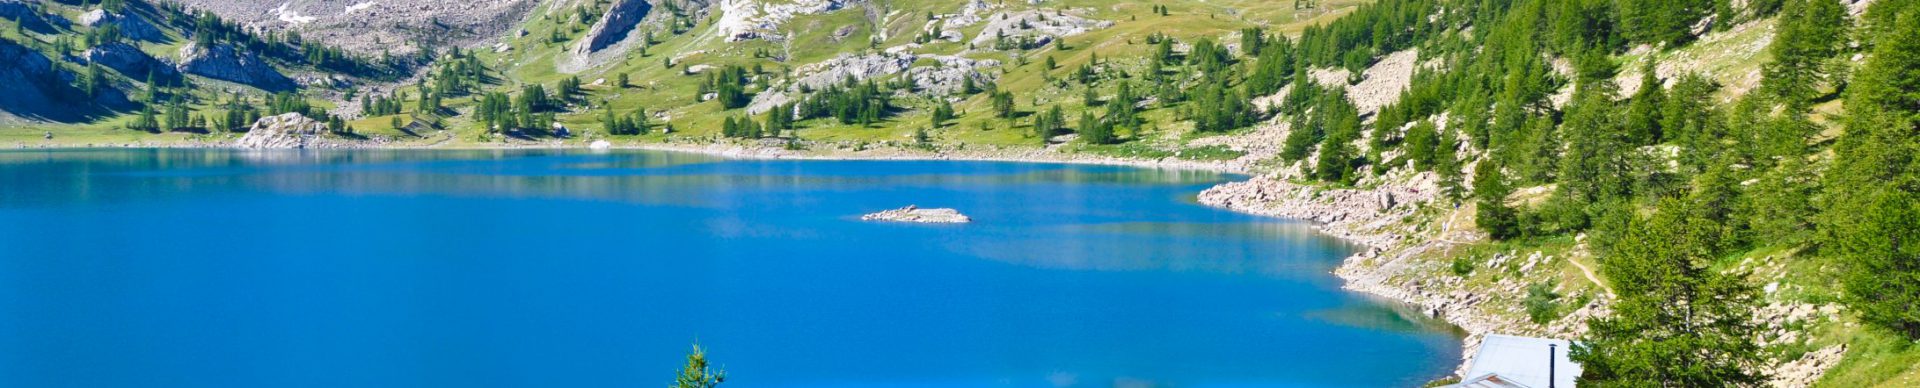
x,y
699,373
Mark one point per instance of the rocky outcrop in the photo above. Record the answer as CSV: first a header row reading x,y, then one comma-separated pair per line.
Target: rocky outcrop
x,y
290,131
946,76
130,61
224,63
917,215
749,19
373,26
38,90
19,12
1041,26
619,22
132,27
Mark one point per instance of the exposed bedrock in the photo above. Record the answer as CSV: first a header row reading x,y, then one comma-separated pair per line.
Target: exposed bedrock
x,y
223,63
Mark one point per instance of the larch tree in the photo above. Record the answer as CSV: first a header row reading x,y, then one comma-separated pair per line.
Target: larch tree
x,y
1874,185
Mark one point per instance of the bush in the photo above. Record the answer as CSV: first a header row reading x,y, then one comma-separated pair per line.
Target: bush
x,y
1543,305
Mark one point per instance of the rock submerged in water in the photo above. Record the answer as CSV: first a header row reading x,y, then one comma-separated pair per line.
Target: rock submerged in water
x,y
916,214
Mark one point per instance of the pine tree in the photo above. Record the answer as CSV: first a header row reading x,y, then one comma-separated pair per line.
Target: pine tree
x,y
1678,321
1643,110
1874,185
1422,138
698,373
1810,33
1095,131
1491,212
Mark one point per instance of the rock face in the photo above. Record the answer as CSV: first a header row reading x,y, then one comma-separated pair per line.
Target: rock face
x,y
19,12
132,27
916,214
750,19
289,131
222,62
129,61
946,77
371,26
1042,27
620,20
36,90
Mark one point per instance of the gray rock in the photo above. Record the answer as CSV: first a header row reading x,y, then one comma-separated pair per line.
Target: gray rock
x,y
917,215
37,90
224,63
130,61
374,26
19,12
620,20
1043,27
947,75
290,131
133,27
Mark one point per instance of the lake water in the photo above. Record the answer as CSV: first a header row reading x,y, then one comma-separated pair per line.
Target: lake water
x,y
217,268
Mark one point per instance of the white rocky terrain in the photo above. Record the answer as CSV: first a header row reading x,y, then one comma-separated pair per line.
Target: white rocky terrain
x,y
375,25
939,75
916,214
290,131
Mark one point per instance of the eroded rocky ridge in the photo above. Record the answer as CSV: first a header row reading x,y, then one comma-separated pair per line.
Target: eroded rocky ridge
x,y
945,76
36,89
225,63
132,27
373,26
130,61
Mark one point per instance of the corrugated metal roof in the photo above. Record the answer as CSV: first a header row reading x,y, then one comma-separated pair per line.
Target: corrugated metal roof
x,y
1523,360
1488,381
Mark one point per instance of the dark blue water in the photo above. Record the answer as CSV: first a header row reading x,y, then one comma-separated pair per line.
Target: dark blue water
x,y
198,268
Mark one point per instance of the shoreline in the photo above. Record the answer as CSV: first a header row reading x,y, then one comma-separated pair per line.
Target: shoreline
x,y
1357,216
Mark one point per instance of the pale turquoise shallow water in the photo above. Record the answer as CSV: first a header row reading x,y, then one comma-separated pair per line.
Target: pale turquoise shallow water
x,y
215,268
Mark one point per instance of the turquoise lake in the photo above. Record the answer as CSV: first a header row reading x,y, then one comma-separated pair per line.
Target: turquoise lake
x,y
222,268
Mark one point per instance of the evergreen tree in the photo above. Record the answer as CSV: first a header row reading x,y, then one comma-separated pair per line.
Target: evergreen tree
x,y
1422,138
1095,131
1810,32
1643,109
1873,189
1678,321
699,373
942,113
1002,102
1491,212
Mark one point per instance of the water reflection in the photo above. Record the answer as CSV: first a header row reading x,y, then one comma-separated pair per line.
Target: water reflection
x,y
1385,315
635,177
1272,249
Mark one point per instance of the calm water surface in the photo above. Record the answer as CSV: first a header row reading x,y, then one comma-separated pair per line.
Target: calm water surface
x,y
213,268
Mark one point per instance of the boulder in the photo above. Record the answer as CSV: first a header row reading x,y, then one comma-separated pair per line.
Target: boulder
x,y
289,131
130,61
224,63
132,27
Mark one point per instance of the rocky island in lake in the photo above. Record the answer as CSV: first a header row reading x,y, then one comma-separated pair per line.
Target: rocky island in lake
x,y
916,214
